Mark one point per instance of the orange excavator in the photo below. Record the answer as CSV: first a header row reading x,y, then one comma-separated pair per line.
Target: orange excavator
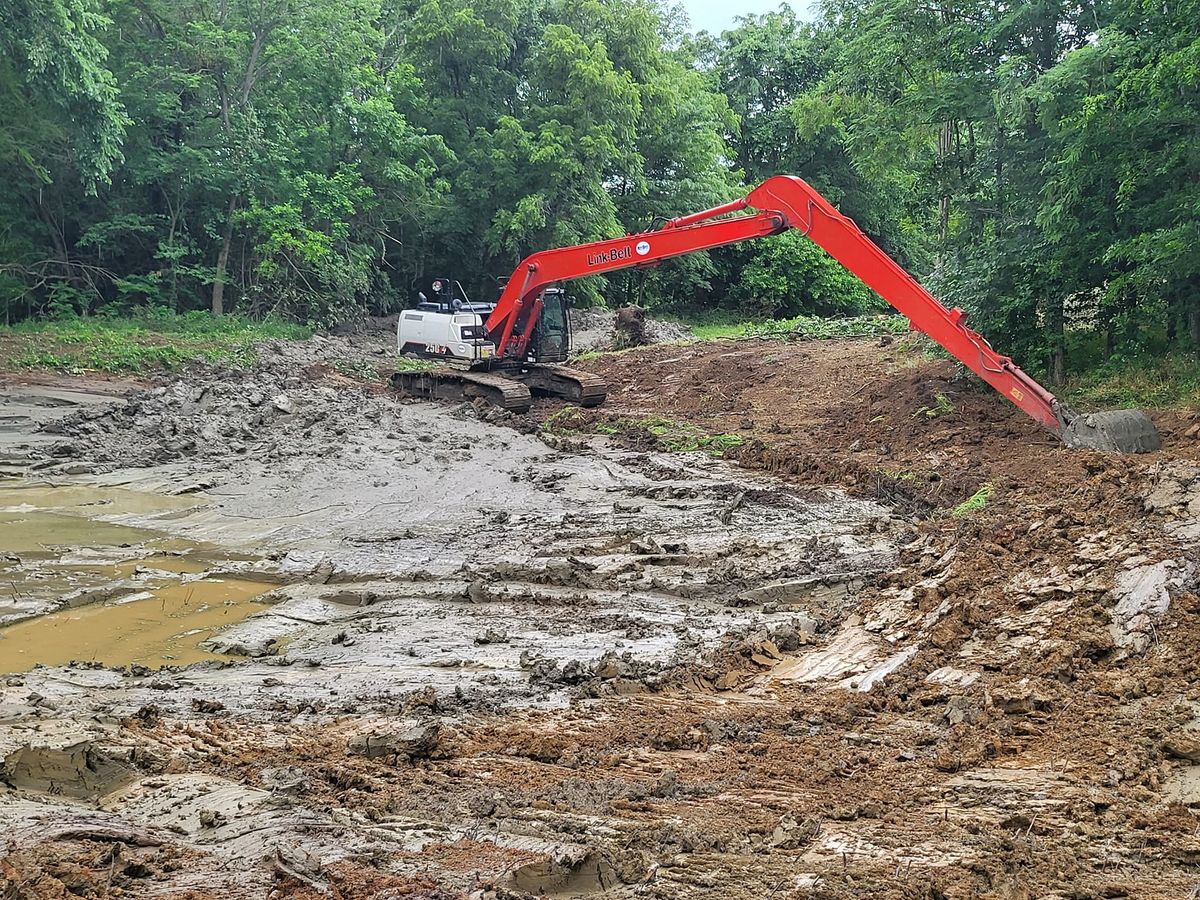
x,y
517,345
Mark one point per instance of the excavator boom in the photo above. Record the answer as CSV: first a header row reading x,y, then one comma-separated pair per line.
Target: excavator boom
x,y
782,202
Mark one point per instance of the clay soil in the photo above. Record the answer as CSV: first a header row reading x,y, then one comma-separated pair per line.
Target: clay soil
x,y
917,650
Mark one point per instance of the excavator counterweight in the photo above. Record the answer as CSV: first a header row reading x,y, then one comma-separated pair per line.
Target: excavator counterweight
x,y
779,203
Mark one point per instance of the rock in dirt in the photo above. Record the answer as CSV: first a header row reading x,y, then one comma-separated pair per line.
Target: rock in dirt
x,y
963,709
194,487
412,742
286,780
492,636
790,834
1144,595
1183,745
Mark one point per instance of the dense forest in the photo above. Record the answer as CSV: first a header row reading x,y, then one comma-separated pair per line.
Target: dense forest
x,y
1036,163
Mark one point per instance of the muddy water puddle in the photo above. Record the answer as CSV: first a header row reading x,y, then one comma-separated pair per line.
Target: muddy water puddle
x,y
37,519
161,626
86,576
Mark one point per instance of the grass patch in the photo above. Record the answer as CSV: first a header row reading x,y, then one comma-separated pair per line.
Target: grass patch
x,y
804,328
716,331
359,369
941,406
1169,380
821,328
680,437
974,503
145,342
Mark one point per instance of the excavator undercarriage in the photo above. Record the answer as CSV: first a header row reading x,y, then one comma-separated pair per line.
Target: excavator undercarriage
x,y
517,348
510,389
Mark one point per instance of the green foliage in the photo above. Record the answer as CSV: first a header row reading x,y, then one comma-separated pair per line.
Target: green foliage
x,y
404,364
153,339
805,328
680,437
56,91
941,406
360,369
1034,163
791,275
1169,380
974,503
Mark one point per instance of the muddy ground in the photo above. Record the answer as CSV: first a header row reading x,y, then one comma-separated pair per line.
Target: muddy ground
x,y
299,637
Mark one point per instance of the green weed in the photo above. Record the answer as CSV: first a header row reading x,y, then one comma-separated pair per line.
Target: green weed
x,y
720,330
588,355
568,420
681,437
356,368
941,406
404,364
1169,380
803,328
821,328
974,503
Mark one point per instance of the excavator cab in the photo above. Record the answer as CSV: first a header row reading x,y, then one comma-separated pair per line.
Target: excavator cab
x,y
551,341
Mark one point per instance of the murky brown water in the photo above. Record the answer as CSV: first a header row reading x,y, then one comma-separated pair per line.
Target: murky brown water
x,y
125,583
164,628
38,519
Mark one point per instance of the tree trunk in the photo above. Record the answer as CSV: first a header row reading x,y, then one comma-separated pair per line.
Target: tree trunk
x,y
945,146
218,291
1058,351
1058,365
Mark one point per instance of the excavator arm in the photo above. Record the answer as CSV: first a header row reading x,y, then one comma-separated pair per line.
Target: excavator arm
x,y
782,202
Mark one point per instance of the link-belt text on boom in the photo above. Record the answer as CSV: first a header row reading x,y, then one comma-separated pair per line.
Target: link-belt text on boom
x,y
607,256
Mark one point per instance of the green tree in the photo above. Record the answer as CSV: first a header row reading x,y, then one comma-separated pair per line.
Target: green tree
x,y
61,126
56,89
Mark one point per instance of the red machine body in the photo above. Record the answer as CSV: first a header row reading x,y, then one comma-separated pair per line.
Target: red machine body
x,y
781,202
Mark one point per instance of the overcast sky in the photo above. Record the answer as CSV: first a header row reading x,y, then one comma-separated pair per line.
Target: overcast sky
x,y
718,15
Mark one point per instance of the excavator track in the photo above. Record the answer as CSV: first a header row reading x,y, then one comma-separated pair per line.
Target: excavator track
x,y
572,385
457,384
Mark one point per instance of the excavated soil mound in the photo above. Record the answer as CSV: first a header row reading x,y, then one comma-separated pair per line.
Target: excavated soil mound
x,y
879,418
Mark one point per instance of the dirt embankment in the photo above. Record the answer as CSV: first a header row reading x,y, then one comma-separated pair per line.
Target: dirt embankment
x,y
500,667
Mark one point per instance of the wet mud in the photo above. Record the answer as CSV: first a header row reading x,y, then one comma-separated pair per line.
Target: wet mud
x,y
281,633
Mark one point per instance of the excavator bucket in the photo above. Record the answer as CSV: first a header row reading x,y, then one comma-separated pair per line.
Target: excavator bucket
x,y
1116,431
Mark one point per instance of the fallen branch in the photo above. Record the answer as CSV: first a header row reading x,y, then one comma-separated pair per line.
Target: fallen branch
x,y
126,834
